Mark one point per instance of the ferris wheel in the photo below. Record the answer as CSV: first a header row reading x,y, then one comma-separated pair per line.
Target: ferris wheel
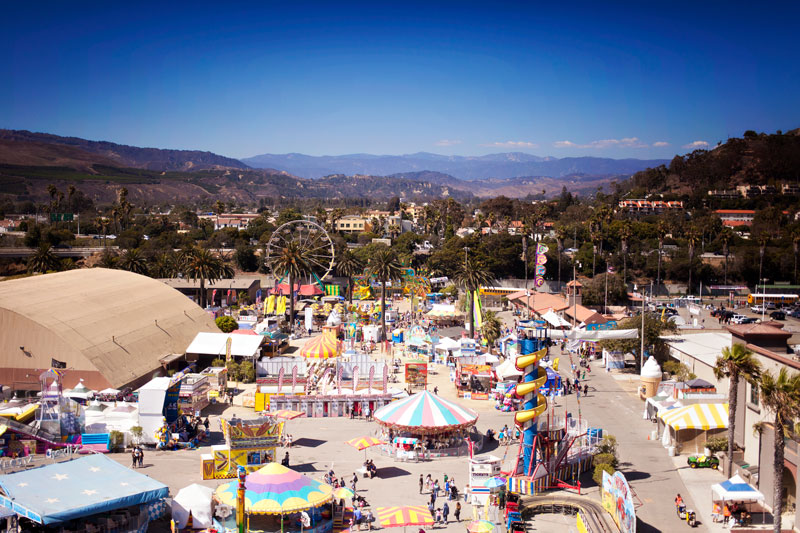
x,y
314,243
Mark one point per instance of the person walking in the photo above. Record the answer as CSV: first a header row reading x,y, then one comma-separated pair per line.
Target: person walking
x,y
436,488
134,458
421,483
585,390
445,512
457,512
140,456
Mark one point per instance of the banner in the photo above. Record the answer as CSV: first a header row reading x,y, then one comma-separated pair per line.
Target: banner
x,y
339,380
541,260
355,379
324,381
258,296
294,377
371,377
281,372
478,312
213,296
385,378
417,374
228,344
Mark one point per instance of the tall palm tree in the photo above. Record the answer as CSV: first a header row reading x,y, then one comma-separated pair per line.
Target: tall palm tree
x,y
43,260
661,230
291,263
796,250
763,239
349,266
201,264
133,260
735,363
385,267
726,236
219,207
691,240
165,265
625,233
471,276
491,329
780,395
561,235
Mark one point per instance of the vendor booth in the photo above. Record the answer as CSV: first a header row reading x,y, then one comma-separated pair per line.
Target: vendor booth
x,y
741,498
440,426
474,381
193,507
248,443
277,498
688,428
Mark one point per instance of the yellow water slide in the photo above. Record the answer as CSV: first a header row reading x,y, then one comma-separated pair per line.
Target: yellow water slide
x,y
527,389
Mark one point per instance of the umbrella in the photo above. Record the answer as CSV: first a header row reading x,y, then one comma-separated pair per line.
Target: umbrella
x,y
286,414
495,482
343,493
480,526
362,443
413,515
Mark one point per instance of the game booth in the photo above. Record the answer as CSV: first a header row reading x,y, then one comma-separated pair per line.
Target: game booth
x,y
276,498
474,381
248,443
425,425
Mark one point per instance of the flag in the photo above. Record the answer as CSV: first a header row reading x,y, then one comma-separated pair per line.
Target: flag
x,y
555,364
55,363
294,377
228,345
385,378
478,314
229,296
324,381
281,372
355,378
371,377
213,296
339,380
269,306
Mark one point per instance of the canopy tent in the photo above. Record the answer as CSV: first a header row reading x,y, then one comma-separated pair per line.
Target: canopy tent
x,y
507,369
592,335
89,485
413,515
310,290
446,343
206,343
195,500
736,489
418,341
287,414
554,320
244,332
425,413
321,347
698,383
442,311
697,416
276,490
283,289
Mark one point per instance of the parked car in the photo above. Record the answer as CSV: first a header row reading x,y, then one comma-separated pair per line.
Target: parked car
x,y
778,315
795,313
737,319
748,320
771,305
758,309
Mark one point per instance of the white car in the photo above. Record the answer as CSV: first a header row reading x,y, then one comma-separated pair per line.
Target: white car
x,y
758,309
737,319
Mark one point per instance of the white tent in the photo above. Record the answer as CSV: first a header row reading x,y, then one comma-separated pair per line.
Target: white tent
x,y
507,369
736,489
207,343
554,320
446,343
194,499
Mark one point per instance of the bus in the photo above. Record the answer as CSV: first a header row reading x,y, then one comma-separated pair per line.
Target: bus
x,y
777,299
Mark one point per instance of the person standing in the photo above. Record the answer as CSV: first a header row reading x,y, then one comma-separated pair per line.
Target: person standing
x,y
134,458
140,456
457,512
421,483
585,390
445,512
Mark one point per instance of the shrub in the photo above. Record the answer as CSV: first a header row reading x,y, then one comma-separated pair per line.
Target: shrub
x,y
218,362
605,458
116,440
717,444
247,373
597,476
608,445
226,324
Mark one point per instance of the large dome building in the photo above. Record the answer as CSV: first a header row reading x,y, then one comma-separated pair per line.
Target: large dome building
x,y
110,328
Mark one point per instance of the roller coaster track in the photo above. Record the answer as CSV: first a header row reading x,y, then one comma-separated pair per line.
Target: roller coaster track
x,y
595,517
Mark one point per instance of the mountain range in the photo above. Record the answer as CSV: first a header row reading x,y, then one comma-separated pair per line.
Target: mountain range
x,y
497,166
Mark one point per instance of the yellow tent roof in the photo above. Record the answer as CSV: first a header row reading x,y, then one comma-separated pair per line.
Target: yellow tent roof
x,y
697,416
322,347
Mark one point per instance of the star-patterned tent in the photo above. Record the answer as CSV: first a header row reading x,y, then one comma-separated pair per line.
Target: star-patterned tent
x,y
425,413
277,490
94,484
413,515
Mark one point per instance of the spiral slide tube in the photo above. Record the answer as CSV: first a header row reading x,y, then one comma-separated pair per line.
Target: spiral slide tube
x,y
534,403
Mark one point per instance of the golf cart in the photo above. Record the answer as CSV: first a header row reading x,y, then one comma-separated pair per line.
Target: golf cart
x,y
703,461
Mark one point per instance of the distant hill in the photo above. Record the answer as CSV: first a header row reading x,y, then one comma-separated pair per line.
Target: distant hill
x,y
20,147
755,158
499,166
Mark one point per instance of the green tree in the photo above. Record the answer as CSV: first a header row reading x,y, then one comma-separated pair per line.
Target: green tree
x,y
201,264
245,258
735,363
164,266
291,263
288,215
226,324
625,233
490,329
781,396
725,237
43,260
472,276
349,266
133,260
385,267
594,291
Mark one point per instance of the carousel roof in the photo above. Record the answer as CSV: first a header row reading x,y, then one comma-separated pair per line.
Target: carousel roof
x,y
321,347
425,412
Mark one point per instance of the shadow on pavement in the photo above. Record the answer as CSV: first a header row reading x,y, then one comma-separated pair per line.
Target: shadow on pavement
x,y
389,472
304,467
309,443
633,475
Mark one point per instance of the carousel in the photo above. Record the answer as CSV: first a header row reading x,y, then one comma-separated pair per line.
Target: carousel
x,y
277,498
426,425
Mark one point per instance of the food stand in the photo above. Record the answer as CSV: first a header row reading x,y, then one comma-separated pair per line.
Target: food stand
x,y
474,381
193,394
248,443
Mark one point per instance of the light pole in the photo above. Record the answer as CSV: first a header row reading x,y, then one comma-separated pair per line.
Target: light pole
x,y
641,355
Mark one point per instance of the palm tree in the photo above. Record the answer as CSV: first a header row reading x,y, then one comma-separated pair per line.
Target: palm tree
x,y
471,276
165,265
735,363
780,395
291,263
763,239
491,329
691,240
349,266
726,236
625,233
385,267
394,230
43,260
561,235
661,230
201,264
133,261
219,207
796,250
108,259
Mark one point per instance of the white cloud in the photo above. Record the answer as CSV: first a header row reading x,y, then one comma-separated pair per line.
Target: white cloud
x,y
660,144
512,144
627,142
447,142
696,145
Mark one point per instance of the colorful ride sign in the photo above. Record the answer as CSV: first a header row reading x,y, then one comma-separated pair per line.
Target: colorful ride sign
x,y
541,259
618,501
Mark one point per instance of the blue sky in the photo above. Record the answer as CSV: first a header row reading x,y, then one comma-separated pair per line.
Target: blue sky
x,y
569,79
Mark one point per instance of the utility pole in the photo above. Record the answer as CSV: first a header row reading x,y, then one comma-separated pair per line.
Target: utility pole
x,y
525,259
641,355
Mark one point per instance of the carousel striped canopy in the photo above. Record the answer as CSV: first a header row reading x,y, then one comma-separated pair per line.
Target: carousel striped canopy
x,y
322,347
425,412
